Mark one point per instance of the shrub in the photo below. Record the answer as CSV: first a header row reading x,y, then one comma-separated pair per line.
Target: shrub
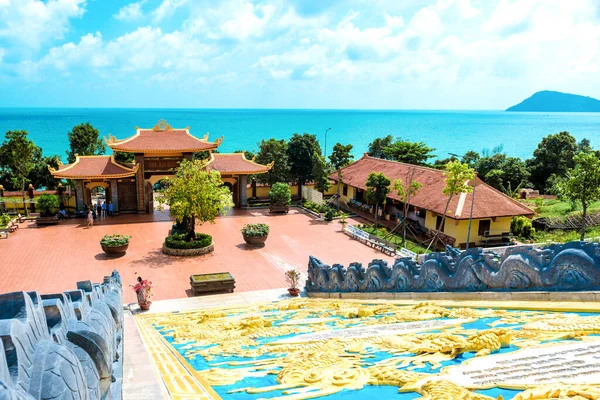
x,y
255,230
47,204
178,228
521,227
280,194
177,241
329,214
115,240
292,277
4,220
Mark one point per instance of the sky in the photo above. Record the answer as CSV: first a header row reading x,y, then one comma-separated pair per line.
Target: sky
x,y
353,54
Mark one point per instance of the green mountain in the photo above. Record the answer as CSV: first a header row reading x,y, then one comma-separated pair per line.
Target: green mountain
x,y
549,101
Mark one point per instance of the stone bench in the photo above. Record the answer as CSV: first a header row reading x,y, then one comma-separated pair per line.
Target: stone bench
x,y
216,282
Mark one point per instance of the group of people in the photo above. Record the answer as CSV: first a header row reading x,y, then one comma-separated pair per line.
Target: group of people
x,y
100,210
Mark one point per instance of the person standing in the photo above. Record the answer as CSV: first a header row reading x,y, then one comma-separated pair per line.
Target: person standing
x,y
90,218
104,208
99,209
110,209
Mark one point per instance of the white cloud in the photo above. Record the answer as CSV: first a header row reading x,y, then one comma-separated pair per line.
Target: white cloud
x,y
167,8
32,23
130,12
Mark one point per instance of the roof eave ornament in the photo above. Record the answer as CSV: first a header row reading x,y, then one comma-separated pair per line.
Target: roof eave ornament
x,y
218,141
270,165
162,126
110,139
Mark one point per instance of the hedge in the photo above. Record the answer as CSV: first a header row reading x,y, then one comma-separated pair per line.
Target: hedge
x,y
177,241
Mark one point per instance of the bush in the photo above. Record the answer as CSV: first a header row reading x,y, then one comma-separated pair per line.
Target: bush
x,y
255,230
47,204
177,241
329,214
521,227
4,220
280,194
178,228
115,240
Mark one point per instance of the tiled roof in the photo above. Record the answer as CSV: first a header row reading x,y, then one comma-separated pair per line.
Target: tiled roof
x,y
162,139
93,167
235,163
489,202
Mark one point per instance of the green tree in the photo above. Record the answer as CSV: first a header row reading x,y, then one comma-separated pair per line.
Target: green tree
x,y
405,190
320,173
18,156
405,151
84,140
301,150
456,177
277,151
248,154
502,172
441,163
195,195
582,183
340,156
553,155
124,158
470,158
377,147
40,175
378,187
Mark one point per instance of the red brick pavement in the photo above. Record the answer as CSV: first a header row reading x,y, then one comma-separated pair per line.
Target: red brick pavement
x,y
54,258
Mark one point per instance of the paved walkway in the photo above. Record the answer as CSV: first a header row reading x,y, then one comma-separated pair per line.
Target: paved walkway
x,y
54,258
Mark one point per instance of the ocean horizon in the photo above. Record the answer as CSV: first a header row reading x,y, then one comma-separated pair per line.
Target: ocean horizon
x,y
447,131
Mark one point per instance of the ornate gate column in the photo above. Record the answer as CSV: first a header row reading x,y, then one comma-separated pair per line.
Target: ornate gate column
x,y
114,193
79,195
243,190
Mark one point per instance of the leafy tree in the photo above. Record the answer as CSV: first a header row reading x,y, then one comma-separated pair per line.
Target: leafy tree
x,y
378,187
456,174
195,194
277,151
553,155
84,140
377,147
301,150
320,173
584,145
248,154
40,175
18,156
502,172
582,183
408,152
470,158
340,156
405,191
124,158
441,164
280,194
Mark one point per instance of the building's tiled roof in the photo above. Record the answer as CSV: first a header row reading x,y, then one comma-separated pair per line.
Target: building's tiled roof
x,y
162,139
489,202
87,167
236,163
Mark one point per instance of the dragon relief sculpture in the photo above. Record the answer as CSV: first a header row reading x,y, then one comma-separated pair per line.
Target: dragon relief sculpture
x,y
247,339
572,266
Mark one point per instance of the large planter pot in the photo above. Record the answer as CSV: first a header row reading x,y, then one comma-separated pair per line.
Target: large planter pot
x,y
279,208
115,250
42,221
255,240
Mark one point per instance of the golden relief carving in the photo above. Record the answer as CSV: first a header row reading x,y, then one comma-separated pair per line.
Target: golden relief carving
x,y
162,126
341,361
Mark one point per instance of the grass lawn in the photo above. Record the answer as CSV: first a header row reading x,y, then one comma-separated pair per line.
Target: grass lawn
x,y
556,208
383,233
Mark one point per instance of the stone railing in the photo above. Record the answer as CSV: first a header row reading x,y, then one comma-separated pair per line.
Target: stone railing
x,y
573,266
63,346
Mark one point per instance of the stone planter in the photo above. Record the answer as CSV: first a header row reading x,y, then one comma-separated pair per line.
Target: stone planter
x,y
115,250
187,252
279,208
255,240
42,221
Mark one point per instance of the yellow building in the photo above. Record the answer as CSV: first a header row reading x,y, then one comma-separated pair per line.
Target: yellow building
x,y
491,211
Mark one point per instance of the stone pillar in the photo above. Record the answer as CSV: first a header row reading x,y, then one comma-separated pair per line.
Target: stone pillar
x,y
114,195
141,199
243,197
2,205
253,184
79,195
60,191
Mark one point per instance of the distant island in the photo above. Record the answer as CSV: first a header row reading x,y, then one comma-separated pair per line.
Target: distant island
x,y
549,101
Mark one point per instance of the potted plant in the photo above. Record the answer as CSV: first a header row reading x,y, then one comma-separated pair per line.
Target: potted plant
x,y
280,197
115,244
255,234
343,221
143,290
47,204
293,277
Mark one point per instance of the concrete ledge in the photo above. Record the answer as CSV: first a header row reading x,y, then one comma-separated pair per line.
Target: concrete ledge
x,y
486,296
187,252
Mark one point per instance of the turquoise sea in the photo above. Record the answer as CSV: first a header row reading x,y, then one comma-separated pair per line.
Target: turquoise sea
x,y
446,131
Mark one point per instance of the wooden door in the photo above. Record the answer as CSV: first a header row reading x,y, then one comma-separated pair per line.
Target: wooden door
x,y
127,196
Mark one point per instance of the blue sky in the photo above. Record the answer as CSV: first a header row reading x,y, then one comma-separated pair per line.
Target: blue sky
x,y
398,54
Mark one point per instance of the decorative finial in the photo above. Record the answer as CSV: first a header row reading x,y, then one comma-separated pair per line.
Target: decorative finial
x,y
162,126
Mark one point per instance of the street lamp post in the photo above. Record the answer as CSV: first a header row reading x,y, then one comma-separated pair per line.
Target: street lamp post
x,y
472,204
325,150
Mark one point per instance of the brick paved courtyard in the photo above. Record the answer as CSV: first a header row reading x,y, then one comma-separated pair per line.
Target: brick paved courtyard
x,y
52,259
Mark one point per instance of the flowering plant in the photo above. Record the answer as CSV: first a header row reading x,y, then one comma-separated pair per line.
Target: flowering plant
x,y
143,289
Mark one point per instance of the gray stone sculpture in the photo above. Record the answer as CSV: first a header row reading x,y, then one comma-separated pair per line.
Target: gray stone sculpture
x,y
62,346
568,267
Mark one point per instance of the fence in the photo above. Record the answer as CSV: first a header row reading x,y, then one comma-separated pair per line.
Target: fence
x,y
312,195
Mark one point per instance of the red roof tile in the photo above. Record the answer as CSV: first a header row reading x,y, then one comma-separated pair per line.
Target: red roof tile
x,y
489,202
93,167
235,163
162,139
